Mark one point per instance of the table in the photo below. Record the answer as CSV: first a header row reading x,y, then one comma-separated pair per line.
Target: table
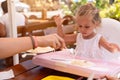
x,y
29,71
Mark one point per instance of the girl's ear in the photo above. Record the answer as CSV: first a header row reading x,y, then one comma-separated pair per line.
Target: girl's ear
x,y
75,19
97,23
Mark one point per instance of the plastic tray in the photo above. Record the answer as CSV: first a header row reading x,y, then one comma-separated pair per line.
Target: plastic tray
x,y
62,61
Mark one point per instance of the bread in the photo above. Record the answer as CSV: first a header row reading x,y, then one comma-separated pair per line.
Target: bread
x,y
83,63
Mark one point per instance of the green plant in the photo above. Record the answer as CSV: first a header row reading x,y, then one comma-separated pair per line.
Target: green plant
x,y
101,4
70,10
65,9
106,10
113,11
77,4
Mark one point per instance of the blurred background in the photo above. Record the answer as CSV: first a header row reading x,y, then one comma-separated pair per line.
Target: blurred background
x,y
108,8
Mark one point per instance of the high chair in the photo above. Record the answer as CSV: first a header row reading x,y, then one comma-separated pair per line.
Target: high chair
x,y
110,29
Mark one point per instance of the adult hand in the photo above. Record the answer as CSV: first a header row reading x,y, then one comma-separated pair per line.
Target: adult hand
x,y
52,40
21,44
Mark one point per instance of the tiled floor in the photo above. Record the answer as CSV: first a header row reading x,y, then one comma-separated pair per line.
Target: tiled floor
x,y
2,64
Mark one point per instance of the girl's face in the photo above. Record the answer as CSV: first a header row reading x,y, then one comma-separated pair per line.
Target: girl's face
x,y
86,26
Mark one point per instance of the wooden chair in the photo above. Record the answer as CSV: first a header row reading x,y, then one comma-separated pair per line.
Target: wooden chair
x,y
31,28
21,31
33,17
34,28
68,19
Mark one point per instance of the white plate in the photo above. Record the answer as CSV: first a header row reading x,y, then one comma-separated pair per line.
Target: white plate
x,y
41,50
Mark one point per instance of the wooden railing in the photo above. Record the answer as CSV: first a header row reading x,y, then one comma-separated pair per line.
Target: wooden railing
x,y
30,28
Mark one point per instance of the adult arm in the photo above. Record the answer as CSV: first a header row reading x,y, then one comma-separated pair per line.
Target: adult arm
x,y
12,46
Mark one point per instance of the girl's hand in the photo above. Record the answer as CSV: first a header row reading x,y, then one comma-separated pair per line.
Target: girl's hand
x,y
58,20
115,47
112,47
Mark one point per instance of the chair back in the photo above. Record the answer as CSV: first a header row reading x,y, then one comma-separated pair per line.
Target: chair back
x,y
110,29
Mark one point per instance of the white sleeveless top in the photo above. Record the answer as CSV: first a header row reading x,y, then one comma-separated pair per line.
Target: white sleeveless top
x,y
88,48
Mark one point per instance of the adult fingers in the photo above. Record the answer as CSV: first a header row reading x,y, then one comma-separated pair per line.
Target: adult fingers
x,y
53,44
62,42
57,43
54,41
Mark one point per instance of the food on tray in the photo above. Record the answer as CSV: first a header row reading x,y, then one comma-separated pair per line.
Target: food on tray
x,y
41,50
83,63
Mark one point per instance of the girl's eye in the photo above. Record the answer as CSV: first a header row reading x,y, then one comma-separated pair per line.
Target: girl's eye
x,y
80,26
87,26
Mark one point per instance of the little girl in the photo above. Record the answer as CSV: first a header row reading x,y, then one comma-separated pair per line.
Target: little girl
x,y
88,43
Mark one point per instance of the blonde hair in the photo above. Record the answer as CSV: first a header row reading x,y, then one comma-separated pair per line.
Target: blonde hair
x,y
90,10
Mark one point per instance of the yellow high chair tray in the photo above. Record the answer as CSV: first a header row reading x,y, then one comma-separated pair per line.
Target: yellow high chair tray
x,y
53,77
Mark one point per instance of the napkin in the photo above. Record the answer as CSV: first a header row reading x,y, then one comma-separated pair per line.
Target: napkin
x,y
91,77
6,74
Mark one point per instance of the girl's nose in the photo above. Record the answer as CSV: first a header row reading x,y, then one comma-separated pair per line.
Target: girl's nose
x,y
83,29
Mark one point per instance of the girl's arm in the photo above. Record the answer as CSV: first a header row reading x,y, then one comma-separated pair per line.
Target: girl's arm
x,y
59,21
12,46
112,47
69,38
